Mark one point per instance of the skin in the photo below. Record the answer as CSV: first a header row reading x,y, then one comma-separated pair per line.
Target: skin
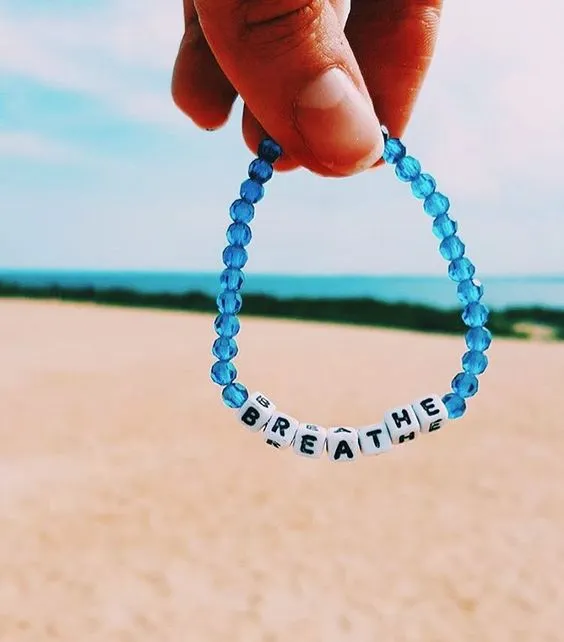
x,y
272,53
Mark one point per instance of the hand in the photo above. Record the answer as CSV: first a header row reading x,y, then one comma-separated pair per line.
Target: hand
x,y
314,84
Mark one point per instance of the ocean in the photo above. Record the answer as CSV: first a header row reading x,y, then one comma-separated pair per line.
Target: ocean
x,y
501,292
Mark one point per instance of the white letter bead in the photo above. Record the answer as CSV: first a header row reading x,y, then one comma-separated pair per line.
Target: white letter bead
x,y
374,440
342,444
255,412
280,430
431,413
402,424
310,440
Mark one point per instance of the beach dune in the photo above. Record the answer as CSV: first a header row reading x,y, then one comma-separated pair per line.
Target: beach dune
x,y
134,508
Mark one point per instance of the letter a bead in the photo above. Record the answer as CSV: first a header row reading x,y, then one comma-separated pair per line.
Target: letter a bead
x,y
342,444
431,413
280,430
374,440
402,424
255,412
310,440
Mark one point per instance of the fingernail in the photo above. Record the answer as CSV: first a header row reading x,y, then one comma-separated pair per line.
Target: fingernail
x,y
338,123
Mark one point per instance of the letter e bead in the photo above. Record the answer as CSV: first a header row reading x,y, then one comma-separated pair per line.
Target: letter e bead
x,y
310,440
431,413
255,412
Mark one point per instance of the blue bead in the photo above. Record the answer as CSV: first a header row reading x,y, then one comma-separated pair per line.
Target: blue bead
x,y
455,405
229,302
394,150
475,315
234,395
474,362
478,339
269,150
251,191
260,170
234,256
223,372
461,269
232,279
241,211
470,291
408,169
451,248
239,234
444,226
465,385
424,185
225,348
436,204
227,325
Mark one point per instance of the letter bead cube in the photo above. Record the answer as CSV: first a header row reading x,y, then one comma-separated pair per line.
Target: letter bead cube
x,y
255,412
402,424
280,430
310,440
374,440
431,413
342,444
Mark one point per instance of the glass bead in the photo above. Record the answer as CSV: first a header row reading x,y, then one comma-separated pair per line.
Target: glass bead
x,y
436,204
234,395
229,302
260,170
422,186
251,191
225,348
223,372
451,248
408,169
239,234
478,339
461,269
455,405
465,385
241,211
474,362
475,315
227,325
470,291
232,279
394,150
234,256
269,150
444,226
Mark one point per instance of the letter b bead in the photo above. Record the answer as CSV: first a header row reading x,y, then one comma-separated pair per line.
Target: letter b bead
x,y
402,424
256,411
431,413
310,441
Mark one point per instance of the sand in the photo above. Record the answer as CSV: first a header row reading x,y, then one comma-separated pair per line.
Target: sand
x,y
133,508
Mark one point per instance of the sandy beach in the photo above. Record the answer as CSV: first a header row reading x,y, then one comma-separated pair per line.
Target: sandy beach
x,y
133,507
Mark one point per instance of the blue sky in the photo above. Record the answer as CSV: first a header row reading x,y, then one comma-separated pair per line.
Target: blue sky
x,y
99,170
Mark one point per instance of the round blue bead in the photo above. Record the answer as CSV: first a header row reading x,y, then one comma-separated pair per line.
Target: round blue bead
x,y
422,186
225,348
470,291
461,269
478,339
269,150
394,150
260,170
436,204
251,191
234,395
235,256
444,226
475,315
227,325
474,362
239,234
408,169
229,302
451,248
455,405
241,211
465,385
232,279
223,372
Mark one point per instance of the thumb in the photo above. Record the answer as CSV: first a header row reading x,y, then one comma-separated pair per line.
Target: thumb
x,y
292,65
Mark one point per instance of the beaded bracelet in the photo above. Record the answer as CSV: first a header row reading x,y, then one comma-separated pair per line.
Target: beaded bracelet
x,y
403,423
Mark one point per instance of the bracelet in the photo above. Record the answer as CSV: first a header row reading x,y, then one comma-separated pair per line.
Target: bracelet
x,y
400,424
